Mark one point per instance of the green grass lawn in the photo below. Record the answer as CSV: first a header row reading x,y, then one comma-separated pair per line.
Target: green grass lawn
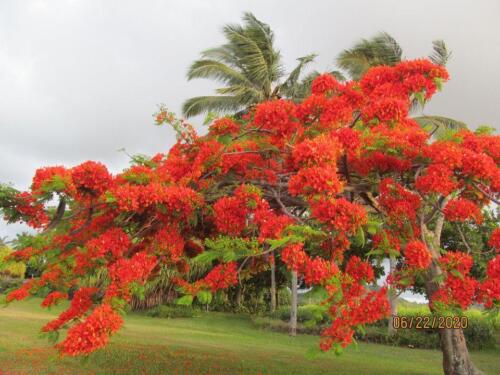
x,y
214,343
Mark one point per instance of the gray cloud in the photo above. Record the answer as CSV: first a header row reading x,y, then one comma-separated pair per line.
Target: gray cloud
x,y
80,79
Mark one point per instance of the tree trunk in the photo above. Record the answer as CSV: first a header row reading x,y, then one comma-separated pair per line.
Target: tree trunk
x,y
273,287
293,307
239,295
393,300
456,359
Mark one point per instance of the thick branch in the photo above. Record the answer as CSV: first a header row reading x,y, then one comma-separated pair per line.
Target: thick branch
x,y
61,208
285,210
486,193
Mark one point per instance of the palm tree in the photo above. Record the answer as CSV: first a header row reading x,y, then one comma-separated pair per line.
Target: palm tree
x,y
248,65
383,49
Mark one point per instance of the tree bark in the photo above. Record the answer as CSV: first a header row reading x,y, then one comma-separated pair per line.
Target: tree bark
x,y
239,295
293,306
456,359
393,300
273,287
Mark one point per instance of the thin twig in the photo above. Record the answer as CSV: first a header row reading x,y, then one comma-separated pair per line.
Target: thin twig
x,y
469,250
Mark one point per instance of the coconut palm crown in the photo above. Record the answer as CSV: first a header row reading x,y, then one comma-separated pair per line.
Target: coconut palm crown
x,y
248,65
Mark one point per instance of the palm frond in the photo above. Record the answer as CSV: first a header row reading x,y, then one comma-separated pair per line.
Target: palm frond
x,y
440,54
382,49
217,71
248,94
250,55
220,104
440,126
291,84
264,37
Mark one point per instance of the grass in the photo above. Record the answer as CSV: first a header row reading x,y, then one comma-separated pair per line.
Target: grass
x,y
213,343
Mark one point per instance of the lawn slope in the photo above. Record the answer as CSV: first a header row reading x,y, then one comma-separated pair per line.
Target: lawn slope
x,y
211,344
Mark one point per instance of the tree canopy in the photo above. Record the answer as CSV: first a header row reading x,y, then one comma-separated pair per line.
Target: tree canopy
x,y
295,181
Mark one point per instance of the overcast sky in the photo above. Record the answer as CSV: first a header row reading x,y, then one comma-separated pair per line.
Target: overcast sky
x,y
80,79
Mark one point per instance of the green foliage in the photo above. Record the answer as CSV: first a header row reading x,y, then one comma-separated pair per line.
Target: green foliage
x,y
9,267
227,249
485,129
9,283
204,297
186,300
8,202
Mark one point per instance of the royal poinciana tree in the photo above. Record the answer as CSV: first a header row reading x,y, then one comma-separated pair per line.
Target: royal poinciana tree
x,y
295,181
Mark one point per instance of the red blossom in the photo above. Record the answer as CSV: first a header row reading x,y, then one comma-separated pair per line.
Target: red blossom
x,y
340,214
91,178
53,297
417,255
93,333
359,270
461,210
324,84
80,304
222,276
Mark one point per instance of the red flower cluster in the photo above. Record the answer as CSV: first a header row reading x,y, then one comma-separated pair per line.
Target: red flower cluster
x,y
315,180
360,308
489,289
339,214
460,261
386,110
232,213
387,241
316,270
403,79
114,241
169,241
319,151
400,204
461,210
91,178
224,126
324,84
93,333
136,269
271,225
222,276
277,116
20,293
33,213
48,179
53,297
494,240
359,270
178,200
294,256
457,290
417,255
438,178
80,304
